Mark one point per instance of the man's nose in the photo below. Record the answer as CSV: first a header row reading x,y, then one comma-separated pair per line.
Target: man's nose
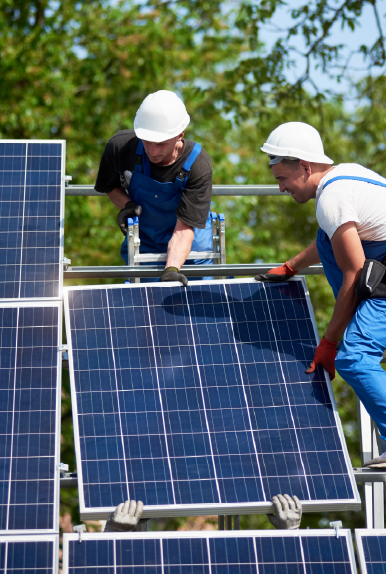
x,y
282,187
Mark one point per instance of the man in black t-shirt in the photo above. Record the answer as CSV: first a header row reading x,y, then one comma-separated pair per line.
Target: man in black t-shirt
x,y
153,172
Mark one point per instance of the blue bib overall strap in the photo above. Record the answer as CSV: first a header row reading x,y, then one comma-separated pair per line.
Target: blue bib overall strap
x,y
182,177
358,359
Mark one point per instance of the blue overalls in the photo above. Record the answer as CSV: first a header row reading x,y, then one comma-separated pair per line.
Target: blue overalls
x,y
358,359
159,202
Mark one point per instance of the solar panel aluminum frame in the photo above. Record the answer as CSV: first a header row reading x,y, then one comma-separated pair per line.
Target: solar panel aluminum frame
x,y
361,533
61,228
54,538
302,534
162,511
56,479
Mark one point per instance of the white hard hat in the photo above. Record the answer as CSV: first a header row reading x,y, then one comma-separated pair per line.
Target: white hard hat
x,y
295,140
160,117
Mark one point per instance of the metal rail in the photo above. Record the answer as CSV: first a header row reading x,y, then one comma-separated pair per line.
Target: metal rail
x,y
232,190
148,271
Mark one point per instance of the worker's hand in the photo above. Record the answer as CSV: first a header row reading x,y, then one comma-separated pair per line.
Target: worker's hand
x,y
131,209
125,518
288,512
173,274
278,274
325,355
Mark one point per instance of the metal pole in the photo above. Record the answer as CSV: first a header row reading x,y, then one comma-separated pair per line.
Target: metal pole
x,y
222,190
243,270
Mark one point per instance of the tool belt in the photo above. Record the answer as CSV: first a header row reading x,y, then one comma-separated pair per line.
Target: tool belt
x,y
372,281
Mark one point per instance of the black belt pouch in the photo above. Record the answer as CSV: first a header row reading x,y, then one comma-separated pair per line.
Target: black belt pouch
x,y
372,281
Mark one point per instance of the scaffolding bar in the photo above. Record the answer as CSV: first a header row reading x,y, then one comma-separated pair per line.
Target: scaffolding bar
x,y
231,190
145,271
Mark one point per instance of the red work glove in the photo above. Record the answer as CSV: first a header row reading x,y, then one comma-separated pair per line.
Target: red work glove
x,y
324,355
278,274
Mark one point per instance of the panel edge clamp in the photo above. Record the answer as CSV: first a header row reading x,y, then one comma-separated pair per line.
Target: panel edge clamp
x,y
67,179
79,528
336,525
66,262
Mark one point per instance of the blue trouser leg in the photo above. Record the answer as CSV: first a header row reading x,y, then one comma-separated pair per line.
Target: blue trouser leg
x,y
358,359
364,340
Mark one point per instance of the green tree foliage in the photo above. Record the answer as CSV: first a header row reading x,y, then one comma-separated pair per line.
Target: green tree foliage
x,y
78,70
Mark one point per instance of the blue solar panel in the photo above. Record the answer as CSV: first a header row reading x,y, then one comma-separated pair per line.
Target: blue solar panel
x,y
371,549
248,552
30,335
31,219
29,554
191,399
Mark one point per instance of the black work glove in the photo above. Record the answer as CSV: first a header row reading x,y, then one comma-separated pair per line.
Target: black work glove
x,y
278,274
131,209
172,274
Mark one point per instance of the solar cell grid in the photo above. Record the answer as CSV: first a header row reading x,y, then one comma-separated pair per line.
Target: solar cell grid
x,y
29,554
29,422
199,396
305,552
371,549
31,220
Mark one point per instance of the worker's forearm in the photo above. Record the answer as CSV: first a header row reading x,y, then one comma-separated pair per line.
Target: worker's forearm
x,y
118,197
345,307
304,259
179,247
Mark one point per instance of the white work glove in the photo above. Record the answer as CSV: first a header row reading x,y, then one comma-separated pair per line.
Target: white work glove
x,y
125,518
288,512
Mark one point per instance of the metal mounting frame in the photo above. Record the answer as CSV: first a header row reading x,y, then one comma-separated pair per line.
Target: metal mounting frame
x,y
135,258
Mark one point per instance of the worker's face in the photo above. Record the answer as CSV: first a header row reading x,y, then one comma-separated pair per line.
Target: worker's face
x,y
295,181
162,152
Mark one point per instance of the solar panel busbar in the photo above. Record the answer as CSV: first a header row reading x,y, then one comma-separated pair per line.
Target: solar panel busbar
x,y
31,218
195,400
239,552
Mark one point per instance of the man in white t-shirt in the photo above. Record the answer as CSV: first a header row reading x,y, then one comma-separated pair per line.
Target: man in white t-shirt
x,y
351,212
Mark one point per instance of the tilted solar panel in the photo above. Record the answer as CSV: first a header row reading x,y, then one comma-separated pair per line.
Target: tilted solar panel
x,y
236,552
371,549
30,335
31,218
29,554
195,400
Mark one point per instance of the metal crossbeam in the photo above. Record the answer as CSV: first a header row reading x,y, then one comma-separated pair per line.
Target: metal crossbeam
x,y
231,190
239,270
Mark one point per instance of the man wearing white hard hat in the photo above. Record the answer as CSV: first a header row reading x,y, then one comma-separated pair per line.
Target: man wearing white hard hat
x,y
351,244
155,173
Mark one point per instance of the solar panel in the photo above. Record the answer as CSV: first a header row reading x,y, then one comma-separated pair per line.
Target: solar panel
x,y
29,554
196,400
30,335
239,552
31,218
371,549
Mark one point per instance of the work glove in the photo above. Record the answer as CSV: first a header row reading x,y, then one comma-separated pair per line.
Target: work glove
x,y
324,355
173,274
125,518
278,274
131,209
288,512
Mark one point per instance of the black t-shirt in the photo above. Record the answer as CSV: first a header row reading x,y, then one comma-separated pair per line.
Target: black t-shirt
x,y
119,156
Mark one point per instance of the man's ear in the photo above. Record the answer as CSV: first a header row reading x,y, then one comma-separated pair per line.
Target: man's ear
x,y
180,136
306,166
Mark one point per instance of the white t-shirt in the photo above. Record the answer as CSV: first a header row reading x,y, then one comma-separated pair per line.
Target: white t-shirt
x,y
350,200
